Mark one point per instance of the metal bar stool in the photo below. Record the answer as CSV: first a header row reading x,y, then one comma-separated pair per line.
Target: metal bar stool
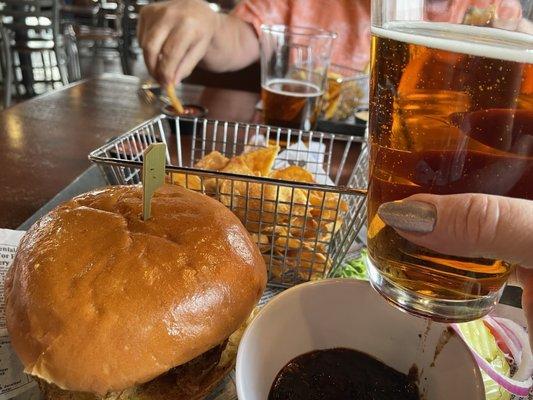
x,y
130,19
36,47
108,35
5,67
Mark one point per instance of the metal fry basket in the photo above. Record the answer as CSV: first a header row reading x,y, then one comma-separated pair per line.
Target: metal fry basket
x,y
304,215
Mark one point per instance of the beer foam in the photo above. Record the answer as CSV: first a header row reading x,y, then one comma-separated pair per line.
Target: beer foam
x,y
317,92
465,39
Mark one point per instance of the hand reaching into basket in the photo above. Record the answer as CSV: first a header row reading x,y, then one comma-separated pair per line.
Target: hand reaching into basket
x,y
176,35
471,225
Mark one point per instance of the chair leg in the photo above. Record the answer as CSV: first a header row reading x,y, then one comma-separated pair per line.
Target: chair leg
x,y
14,68
8,73
124,57
73,58
61,63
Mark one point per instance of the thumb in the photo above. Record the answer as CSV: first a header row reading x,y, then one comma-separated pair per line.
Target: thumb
x,y
524,278
467,225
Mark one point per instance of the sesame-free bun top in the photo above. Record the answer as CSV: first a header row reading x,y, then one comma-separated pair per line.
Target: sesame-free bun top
x,y
99,300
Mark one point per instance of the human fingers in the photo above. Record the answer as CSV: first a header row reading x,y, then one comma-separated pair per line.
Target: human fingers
x,y
155,38
468,225
140,28
191,59
524,277
172,53
508,14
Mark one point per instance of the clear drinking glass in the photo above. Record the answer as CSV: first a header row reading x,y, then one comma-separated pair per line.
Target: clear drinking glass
x,y
346,93
451,111
294,65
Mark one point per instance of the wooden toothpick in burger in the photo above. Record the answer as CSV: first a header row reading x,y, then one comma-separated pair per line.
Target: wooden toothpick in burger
x,y
153,174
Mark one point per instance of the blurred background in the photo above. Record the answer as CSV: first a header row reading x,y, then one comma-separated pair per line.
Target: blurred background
x,y
46,44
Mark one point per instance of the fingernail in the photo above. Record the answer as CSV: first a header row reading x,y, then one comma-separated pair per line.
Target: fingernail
x,y
509,9
410,216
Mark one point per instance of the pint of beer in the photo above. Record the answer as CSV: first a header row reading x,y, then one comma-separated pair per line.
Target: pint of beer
x,y
451,111
294,63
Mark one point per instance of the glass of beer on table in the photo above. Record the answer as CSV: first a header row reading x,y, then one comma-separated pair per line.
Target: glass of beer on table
x,y
451,111
294,65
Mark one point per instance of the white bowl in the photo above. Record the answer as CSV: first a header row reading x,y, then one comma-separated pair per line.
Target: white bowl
x,y
349,313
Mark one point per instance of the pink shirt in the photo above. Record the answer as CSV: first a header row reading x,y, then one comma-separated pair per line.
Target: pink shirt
x,y
350,19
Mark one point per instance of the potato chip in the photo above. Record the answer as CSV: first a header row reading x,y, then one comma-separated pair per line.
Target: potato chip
x,y
174,100
308,263
262,242
259,205
319,247
213,161
292,227
291,201
302,227
276,267
332,95
313,265
283,239
261,160
287,242
306,255
293,173
237,165
210,186
331,227
236,191
189,181
327,206
330,200
244,199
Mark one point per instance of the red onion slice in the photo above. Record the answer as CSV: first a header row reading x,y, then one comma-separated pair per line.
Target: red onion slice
x,y
525,362
514,386
512,343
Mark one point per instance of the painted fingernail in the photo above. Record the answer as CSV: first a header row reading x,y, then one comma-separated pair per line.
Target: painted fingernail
x,y
410,216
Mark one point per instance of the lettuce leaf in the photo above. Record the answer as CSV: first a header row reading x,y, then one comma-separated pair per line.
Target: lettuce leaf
x,y
481,339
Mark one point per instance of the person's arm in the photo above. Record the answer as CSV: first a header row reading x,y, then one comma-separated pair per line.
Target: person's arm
x,y
235,47
176,35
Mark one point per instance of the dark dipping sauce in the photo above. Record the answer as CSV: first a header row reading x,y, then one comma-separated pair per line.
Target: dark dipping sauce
x,y
189,110
339,374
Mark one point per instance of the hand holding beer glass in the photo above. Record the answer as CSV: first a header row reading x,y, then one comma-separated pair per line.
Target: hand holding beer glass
x,y
451,111
294,64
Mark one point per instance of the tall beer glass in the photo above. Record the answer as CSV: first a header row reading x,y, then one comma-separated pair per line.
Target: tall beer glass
x,y
294,65
451,111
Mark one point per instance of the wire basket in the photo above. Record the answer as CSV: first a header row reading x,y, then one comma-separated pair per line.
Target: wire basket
x,y
303,227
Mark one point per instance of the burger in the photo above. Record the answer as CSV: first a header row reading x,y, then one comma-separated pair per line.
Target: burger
x,y
101,304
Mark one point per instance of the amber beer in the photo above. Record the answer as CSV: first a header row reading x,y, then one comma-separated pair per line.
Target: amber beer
x,y
291,103
451,112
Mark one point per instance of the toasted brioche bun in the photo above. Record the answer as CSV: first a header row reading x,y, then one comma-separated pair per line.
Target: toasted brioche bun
x,y
99,301
191,381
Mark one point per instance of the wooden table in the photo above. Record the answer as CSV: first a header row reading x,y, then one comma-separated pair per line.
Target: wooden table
x,y
45,141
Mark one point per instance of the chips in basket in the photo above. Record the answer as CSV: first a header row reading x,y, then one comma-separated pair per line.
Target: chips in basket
x,y
293,173
262,160
213,161
189,181
347,90
291,226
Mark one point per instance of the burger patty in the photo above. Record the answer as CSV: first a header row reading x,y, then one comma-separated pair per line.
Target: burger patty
x,y
190,381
